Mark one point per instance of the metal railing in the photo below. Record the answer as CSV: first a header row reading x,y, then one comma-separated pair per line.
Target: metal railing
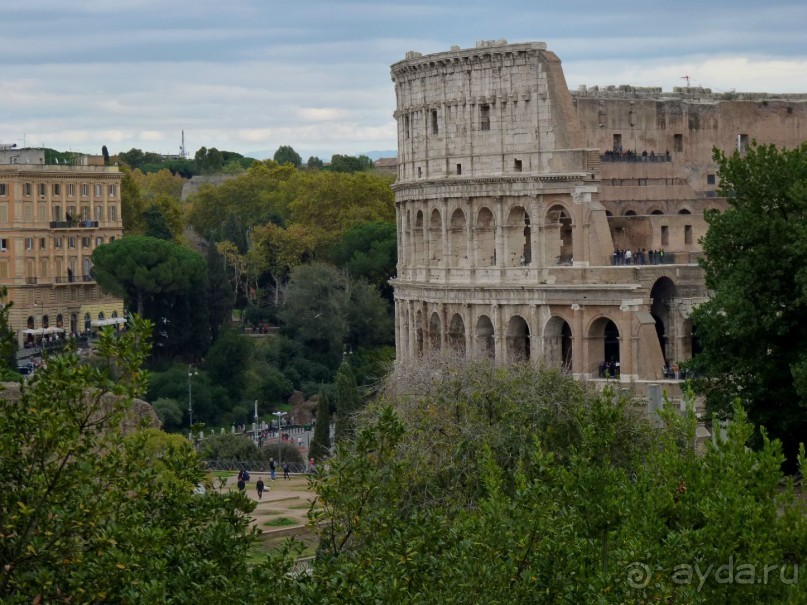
x,y
255,466
73,224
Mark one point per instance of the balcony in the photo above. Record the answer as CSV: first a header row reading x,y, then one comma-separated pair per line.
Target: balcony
x,y
74,224
73,279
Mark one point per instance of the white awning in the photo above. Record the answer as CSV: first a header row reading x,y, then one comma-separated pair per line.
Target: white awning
x,y
108,322
30,331
53,330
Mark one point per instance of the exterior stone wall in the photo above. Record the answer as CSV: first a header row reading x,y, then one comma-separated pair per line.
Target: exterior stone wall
x,y
507,222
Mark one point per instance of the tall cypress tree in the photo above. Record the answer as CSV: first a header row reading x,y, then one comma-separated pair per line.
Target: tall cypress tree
x,y
348,402
321,443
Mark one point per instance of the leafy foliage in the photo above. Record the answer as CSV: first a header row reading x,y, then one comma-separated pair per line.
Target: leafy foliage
x,y
474,483
754,328
348,402
320,446
285,154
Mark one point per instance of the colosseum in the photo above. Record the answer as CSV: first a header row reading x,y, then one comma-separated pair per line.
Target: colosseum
x,y
552,226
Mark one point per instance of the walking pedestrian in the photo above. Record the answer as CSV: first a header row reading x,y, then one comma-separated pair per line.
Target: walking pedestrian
x,y
259,487
241,484
272,467
286,471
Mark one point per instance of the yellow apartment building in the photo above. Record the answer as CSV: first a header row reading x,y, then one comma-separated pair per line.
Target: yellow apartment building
x,y
52,216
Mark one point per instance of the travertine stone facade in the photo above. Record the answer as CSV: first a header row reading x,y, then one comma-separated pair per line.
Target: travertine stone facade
x,y
52,216
511,203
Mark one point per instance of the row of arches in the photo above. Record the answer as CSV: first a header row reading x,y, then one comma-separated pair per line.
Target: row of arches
x,y
31,322
602,336
653,212
464,240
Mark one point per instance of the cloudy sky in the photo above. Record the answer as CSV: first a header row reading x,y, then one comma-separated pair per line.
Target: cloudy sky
x,y
251,75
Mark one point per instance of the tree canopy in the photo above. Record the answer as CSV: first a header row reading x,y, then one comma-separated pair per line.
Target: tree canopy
x,y
285,154
753,330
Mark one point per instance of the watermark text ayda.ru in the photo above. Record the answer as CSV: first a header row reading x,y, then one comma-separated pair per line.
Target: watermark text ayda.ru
x,y
639,575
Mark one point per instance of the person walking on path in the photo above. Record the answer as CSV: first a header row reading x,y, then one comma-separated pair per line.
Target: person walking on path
x,y
259,486
241,484
272,467
286,471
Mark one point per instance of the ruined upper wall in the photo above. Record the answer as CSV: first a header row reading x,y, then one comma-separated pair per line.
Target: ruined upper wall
x,y
688,93
483,111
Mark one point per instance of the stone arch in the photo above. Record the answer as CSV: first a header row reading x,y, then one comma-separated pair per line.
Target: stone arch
x,y
87,323
456,334
518,340
684,211
60,321
73,323
661,295
657,212
436,237
30,322
418,242
517,237
608,214
457,240
435,332
419,333
45,321
558,343
630,212
561,219
485,338
604,344
485,238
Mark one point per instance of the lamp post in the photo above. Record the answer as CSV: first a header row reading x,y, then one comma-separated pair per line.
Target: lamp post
x,y
191,372
279,417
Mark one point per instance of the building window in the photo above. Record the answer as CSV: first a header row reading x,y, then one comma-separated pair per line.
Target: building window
x,y
99,190
71,190
28,212
665,236
71,242
111,238
57,242
687,234
57,213
99,241
484,117
27,189
3,268
617,143
435,128
420,172
43,267
85,190
3,213
678,142
459,169
3,189
42,189
3,244
57,189
85,213
85,242
710,179
43,243
742,143
29,243
99,213
113,213
112,190
517,165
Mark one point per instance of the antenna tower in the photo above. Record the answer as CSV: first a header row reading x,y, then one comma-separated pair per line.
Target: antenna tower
x,y
182,152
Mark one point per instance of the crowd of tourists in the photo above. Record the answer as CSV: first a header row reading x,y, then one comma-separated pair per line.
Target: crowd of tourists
x,y
630,155
640,256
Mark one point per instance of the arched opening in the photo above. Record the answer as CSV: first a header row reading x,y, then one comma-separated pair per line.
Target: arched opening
x,y
418,243
608,214
73,323
456,334
518,340
558,217
100,316
435,332
684,211
436,238
87,323
45,321
30,322
517,238
458,240
630,213
485,238
558,343
604,353
662,294
60,321
657,212
485,340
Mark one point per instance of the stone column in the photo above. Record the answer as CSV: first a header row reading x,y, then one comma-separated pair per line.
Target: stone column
x,y
499,338
536,254
445,226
